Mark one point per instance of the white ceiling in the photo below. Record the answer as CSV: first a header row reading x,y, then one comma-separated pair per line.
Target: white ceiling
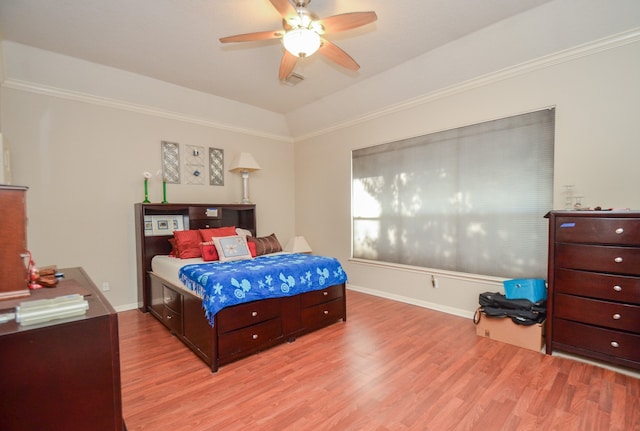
x,y
177,40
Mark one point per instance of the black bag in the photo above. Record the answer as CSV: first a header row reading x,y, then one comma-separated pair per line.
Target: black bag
x,y
521,311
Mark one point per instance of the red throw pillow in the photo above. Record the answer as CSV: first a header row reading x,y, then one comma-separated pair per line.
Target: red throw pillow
x,y
209,252
207,234
174,248
188,242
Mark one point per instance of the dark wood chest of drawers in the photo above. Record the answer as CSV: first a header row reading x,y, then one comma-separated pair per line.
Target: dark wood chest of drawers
x,y
63,374
594,285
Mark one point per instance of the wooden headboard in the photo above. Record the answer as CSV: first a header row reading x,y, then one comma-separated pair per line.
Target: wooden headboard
x,y
152,219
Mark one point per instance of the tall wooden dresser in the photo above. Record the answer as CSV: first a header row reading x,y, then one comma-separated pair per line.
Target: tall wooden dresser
x,y
13,231
594,285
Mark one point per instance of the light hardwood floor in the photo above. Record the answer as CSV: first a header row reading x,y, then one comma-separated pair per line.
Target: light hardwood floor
x,y
391,366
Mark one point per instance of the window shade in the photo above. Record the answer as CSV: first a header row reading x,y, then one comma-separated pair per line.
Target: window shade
x,y
470,199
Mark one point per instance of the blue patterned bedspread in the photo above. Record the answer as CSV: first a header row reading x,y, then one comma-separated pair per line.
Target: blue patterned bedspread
x,y
223,284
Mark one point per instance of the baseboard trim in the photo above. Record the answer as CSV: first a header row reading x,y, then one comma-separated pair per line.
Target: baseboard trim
x,y
413,301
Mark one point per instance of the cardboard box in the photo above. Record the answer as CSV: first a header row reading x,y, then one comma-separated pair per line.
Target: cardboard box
x,y
503,329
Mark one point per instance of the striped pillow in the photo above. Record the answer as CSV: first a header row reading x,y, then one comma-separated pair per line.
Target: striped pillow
x,y
265,244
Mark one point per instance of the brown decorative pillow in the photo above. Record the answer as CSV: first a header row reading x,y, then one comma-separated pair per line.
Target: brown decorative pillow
x,y
265,244
188,243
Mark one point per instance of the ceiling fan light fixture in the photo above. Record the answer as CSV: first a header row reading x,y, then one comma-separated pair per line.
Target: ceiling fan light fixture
x,y
301,42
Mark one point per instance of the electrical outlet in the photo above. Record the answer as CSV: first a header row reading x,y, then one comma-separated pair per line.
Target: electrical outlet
x,y
106,287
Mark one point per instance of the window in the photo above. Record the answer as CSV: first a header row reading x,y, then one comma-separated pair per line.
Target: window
x,y
470,199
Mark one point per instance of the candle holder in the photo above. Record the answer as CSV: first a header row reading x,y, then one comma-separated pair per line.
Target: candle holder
x,y
164,192
146,176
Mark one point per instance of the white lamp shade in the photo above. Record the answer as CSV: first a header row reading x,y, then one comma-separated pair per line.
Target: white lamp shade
x,y
244,162
298,244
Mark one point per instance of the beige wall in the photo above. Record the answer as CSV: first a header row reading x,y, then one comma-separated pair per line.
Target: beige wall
x,y
82,134
596,93
82,158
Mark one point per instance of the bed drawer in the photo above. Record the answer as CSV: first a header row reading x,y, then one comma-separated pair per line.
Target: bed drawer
x,y
601,313
242,315
172,319
598,230
319,296
614,344
171,299
596,285
249,339
621,260
323,314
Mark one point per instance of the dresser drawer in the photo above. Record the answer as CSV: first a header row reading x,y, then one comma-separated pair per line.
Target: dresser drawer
x,y
171,299
605,341
172,319
621,260
595,285
602,313
239,316
323,314
249,339
608,230
319,296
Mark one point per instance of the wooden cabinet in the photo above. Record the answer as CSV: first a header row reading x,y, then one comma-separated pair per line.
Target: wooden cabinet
x,y
13,231
63,374
594,285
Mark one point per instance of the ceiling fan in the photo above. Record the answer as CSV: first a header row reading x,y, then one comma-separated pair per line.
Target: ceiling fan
x,y
302,33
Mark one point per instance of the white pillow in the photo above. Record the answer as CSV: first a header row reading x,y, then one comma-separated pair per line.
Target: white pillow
x,y
243,232
232,248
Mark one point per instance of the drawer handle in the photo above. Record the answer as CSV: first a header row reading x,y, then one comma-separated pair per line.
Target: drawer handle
x,y
326,312
617,288
254,336
615,344
254,313
616,316
169,316
619,230
325,293
618,260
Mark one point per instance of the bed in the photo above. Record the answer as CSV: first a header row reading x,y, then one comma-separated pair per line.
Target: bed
x,y
247,310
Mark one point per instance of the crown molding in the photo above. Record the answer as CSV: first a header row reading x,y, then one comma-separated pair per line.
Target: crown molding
x,y
36,88
559,57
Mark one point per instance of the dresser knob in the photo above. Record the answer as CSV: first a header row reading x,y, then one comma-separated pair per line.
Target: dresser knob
x,y
617,260
326,312
615,344
619,230
254,313
254,336
616,316
617,288
325,293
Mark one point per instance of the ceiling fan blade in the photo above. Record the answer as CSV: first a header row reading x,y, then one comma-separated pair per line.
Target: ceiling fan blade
x,y
284,8
250,37
286,65
347,21
334,53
